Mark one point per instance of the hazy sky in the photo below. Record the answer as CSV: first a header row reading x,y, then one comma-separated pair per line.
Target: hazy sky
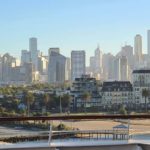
x,y
72,24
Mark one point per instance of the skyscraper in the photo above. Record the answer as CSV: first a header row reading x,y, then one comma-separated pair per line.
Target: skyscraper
x,y
25,56
121,69
77,64
34,52
33,44
98,60
124,68
148,42
127,51
54,49
42,65
92,64
28,67
108,66
138,48
116,69
0,69
56,67
68,69
7,62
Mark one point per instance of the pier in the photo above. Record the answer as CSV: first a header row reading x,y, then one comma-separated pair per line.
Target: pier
x,y
94,134
114,139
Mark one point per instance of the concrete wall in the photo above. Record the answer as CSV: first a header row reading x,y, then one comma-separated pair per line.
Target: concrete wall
x,y
110,147
41,148
117,147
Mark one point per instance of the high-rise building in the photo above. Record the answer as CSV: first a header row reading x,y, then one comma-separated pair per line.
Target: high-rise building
x,y
77,64
25,56
7,64
92,64
54,49
42,65
148,42
146,61
28,67
127,51
124,69
0,69
34,52
12,73
33,44
108,66
121,69
16,76
56,67
68,69
138,49
98,60
116,69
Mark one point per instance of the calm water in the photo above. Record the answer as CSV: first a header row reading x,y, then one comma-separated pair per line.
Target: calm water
x,y
141,137
145,139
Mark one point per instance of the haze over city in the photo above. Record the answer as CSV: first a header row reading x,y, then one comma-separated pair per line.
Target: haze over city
x,y
98,38
80,24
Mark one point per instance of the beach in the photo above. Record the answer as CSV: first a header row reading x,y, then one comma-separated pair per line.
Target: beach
x,y
137,126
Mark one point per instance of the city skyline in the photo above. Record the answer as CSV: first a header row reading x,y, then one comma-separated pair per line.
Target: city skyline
x,y
86,22
87,56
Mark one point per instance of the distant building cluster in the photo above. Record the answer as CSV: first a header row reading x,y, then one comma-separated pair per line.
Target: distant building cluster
x,y
54,68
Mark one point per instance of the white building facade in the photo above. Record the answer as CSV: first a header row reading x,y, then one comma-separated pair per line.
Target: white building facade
x,y
117,93
141,80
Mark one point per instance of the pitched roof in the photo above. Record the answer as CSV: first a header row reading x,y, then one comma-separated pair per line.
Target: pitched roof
x,y
120,126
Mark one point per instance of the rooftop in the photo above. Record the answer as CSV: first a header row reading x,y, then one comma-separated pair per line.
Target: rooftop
x,y
142,71
117,86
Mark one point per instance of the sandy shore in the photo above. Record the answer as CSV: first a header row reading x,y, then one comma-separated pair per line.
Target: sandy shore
x,y
135,125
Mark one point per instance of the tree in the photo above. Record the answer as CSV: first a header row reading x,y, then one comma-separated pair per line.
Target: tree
x,y
66,100
145,94
122,110
86,97
51,102
46,100
29,99
15,103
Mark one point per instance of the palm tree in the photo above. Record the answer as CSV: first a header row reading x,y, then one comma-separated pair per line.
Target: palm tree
x,y
145,93
86,97
29,98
